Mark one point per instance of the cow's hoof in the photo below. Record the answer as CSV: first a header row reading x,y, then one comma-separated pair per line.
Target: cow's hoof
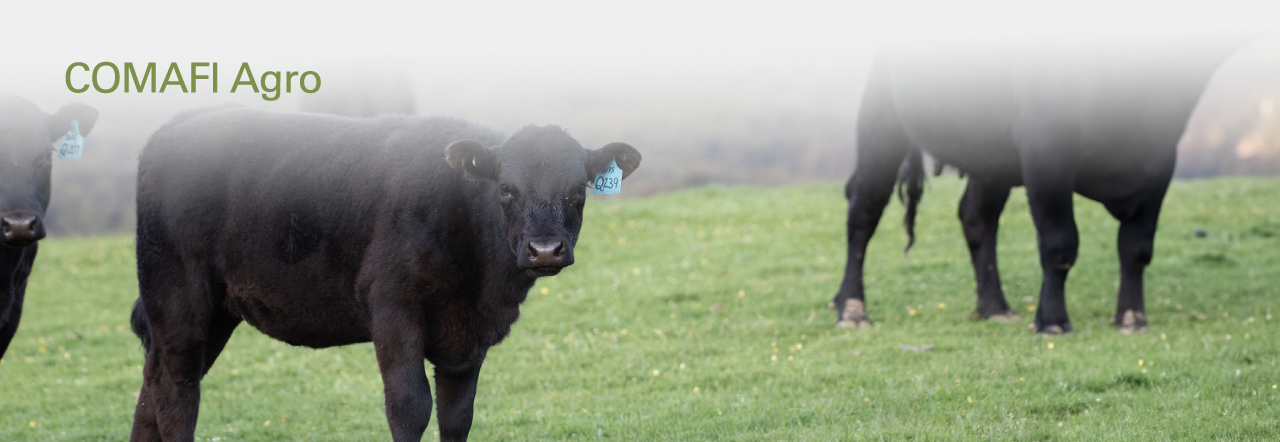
x,y
831,305
1131,321
854,315
1004,316
1054,329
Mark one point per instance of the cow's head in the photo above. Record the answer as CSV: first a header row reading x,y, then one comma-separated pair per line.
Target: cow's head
x,y
540,177
26,162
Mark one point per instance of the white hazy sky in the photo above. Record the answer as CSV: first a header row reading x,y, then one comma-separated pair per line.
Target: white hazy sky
x,y
494,39
121,31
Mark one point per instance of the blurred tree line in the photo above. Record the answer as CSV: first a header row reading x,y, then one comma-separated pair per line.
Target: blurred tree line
x,y
1236,129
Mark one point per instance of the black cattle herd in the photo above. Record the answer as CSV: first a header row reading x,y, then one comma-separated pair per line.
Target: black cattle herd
x,y
424,235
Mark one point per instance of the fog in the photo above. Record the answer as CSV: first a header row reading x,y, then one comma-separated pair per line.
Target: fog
x,y
717,92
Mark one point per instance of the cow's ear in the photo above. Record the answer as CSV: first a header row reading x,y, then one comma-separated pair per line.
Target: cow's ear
x,y
473,157
628,159
60,122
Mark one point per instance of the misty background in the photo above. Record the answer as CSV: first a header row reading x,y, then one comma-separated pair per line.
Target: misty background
x,y
709,93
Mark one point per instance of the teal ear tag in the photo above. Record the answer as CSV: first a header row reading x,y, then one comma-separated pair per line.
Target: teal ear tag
x,y
72,143
608,182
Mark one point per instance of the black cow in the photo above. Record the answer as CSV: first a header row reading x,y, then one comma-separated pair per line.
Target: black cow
x,y
422,235
26,164
1102,121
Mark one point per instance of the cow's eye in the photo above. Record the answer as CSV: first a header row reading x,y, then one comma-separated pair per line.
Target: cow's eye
x,y
506,191
582,190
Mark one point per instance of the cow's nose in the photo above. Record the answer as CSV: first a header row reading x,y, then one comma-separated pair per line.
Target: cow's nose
x,y
21,229
546,253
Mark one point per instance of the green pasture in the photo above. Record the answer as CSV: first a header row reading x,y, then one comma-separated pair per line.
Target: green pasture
x,y
701,315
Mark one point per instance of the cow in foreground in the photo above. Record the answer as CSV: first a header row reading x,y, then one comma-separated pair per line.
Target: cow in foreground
x,y
422,235
1103,121
26,165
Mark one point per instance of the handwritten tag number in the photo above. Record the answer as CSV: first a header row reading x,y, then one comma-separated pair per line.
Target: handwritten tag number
x,y
609,181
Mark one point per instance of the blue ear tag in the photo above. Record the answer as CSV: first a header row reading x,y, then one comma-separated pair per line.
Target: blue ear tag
x,y
608,182
72,143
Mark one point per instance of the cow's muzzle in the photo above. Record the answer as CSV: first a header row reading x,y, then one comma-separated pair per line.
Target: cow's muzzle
x,y
21,228
546,257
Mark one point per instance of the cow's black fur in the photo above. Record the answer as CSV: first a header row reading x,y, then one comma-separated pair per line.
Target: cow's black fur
x,y
422,235
1102,121
26,166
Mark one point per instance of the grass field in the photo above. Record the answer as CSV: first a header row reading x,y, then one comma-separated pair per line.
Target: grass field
x,y
701,315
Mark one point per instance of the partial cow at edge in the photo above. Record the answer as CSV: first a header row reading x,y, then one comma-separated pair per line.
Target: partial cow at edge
x,y
422,235
26,165
1100,118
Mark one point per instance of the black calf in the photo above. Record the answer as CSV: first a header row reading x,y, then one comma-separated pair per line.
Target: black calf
x,y
422,235
26,164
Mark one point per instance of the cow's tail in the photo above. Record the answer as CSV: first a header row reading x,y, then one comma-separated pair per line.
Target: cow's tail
x,y
910,187
141,326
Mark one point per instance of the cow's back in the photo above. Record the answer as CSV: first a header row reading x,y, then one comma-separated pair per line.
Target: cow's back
x,y
279,209
1117,106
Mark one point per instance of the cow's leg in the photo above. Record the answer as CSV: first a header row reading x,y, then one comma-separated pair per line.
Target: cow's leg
x,y
9,321
168,404
399,346
179,315
1050,188
882,145
169,400
15,283
866,205
145,426
222,325
456,394
980,209
1135,241
177,362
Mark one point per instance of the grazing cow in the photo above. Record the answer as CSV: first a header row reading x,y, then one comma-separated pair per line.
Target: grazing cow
x,y
1102,121
422,235
26,164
